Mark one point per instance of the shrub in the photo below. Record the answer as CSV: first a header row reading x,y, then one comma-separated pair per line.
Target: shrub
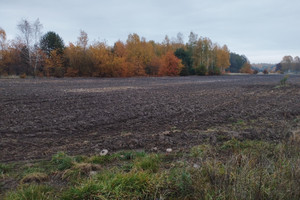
x,y
59,72
71,72
184,71
214,70
283,80
23,75
170,65
201,70
181,185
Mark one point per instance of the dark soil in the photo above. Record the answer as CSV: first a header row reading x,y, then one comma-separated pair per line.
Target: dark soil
x,y
39,117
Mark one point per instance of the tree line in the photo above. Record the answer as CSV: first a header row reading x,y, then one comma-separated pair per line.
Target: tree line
x,y
289,64
36,54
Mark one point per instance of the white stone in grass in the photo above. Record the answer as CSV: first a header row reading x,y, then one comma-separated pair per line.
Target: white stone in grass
x,y
104,152
196,166
168,150
93,173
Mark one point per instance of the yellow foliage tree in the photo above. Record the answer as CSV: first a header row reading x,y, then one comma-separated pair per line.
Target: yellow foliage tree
x,y
223,58
246,68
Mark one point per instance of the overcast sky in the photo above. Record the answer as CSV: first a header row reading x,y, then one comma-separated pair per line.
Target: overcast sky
x,y
263,30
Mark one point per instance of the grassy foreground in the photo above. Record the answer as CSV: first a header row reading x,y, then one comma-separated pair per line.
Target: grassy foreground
x,y
230,170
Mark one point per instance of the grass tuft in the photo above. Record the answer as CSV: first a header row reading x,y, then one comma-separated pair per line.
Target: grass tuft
x,y
80,170
34,177
118,185
31,192
4,168
62,161
149,163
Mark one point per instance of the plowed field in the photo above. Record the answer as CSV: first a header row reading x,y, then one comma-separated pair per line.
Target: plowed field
x,y
39,117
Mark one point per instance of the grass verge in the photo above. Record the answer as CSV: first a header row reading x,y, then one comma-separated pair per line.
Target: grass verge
x,y
232,169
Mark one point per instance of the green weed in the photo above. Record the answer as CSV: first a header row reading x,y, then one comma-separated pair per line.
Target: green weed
x,y
4,168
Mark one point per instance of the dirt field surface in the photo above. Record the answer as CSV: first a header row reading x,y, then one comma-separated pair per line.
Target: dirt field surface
x,y
39,117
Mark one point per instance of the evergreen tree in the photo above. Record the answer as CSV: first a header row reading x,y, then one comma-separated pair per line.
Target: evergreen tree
x,y
52,41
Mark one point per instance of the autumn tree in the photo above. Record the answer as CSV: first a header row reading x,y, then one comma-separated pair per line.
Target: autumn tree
x,y
296,64
78,58
201,70
2,50
83,40
119,49
120,58
223,58
152,68
289,64
2,39
170,65
287,59
12,61
177,42
207,50
30,34
52,47
202,52
285,64
54,64
246,68
135,55
73,55
166,44
193,38
296,59
102,61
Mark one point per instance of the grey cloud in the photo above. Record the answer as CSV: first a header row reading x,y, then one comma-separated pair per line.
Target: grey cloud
x,y
253,28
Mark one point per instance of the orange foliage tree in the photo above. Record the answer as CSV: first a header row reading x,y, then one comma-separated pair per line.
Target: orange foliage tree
x,y
120,59
54,64
170,65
